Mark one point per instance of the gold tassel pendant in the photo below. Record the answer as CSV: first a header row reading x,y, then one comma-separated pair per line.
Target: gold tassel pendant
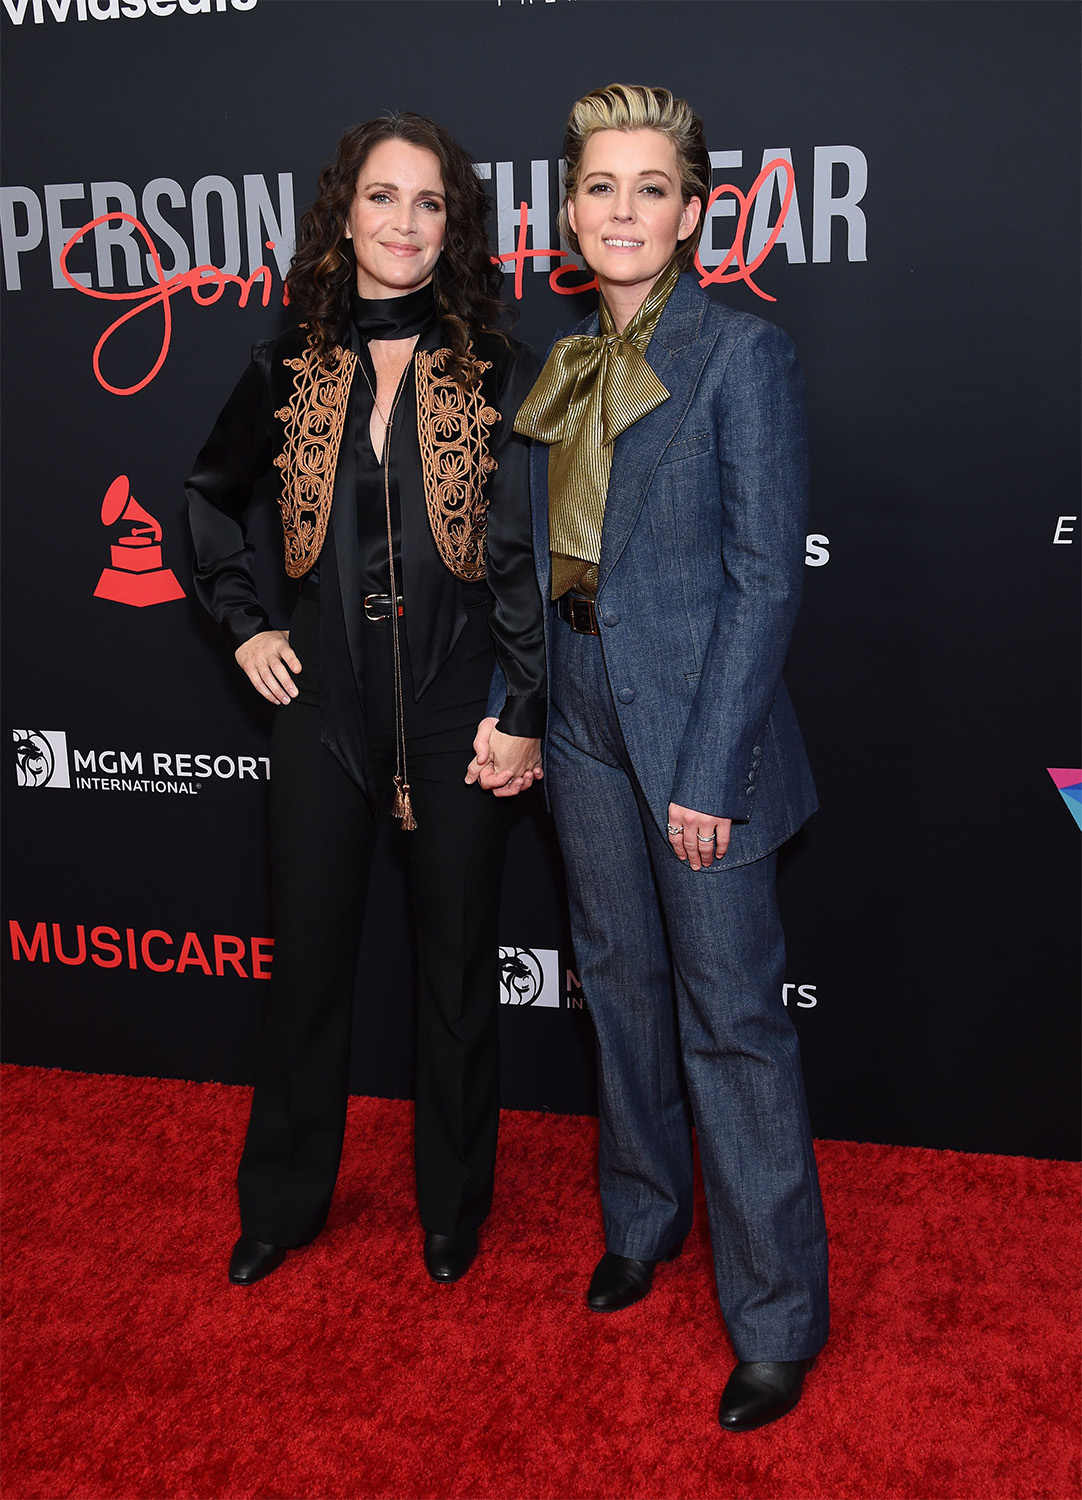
x,y
403,806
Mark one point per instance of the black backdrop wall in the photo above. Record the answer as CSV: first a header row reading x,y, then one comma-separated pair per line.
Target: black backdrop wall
x,y
925,269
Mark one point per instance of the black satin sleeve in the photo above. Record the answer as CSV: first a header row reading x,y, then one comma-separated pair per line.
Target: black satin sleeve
x,y
517,621
238,453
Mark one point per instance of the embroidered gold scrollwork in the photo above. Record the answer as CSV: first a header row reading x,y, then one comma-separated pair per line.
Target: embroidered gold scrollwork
x,y
452,426
313,421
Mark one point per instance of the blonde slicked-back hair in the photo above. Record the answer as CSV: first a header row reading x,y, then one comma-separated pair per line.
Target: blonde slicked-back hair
x,y
637,106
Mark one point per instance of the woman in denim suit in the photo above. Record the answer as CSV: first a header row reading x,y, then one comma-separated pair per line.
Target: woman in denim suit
x,y
669,498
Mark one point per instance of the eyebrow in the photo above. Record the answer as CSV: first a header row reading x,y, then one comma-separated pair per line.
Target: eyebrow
x,y
425,193
649,172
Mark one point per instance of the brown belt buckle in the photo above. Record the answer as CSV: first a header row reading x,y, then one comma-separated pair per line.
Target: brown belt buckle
x,y
582,615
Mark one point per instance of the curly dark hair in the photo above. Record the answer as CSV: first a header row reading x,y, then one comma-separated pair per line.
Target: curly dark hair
x,y
466,280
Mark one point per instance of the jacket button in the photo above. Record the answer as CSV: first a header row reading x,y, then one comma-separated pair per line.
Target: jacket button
x,y
610,617
757,752
626,695
752,775
748,791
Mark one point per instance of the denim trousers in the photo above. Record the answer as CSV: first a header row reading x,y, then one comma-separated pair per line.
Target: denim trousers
x,y
682,973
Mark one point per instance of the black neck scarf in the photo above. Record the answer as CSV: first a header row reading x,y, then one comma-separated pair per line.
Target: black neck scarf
x,y
394,317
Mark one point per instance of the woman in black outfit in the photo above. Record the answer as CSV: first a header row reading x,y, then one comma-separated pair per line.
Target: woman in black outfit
x,y
417,627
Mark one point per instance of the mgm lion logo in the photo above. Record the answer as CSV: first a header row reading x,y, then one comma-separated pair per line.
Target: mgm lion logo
x,y
529,976
41,757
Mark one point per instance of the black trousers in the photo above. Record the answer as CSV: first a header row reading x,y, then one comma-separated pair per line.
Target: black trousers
x,y
322,839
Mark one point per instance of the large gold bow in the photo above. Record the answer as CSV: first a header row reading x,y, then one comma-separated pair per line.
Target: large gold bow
x,y
591,390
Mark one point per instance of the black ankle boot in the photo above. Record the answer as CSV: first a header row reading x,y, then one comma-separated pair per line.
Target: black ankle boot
x,y
253,1259
449,1256
619,1281
758,1392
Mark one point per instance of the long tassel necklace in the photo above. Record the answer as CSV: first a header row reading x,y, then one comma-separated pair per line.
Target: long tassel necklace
x,y
403,805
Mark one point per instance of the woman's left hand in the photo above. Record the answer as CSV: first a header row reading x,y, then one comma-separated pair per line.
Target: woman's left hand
x,y
504,764
697,838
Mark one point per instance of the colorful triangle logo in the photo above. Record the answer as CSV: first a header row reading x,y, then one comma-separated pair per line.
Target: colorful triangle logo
x,y
1070,789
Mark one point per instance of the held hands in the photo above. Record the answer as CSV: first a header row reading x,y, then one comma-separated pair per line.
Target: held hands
x,y
697,838
268,660
504,764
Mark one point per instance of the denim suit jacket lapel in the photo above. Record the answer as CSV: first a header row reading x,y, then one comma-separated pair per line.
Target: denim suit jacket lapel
x,y
677,354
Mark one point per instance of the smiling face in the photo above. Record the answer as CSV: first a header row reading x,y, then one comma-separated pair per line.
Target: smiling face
x,y
397,220
629,213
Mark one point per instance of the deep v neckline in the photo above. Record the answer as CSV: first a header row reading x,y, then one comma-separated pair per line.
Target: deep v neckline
x,y
381,453
390,320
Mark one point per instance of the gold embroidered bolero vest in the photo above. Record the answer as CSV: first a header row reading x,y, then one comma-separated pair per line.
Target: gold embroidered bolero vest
x,y
453,424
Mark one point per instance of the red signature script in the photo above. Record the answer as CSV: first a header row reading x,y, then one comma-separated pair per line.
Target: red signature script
x,y
736,253
206,284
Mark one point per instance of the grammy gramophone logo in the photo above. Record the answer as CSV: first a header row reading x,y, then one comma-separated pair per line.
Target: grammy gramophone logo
x,y
136,575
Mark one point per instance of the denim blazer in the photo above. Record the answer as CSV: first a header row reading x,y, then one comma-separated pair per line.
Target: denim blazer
x,y
702,563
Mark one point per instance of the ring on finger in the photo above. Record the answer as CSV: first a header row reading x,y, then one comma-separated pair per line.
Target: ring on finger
x,y
705,838
674,828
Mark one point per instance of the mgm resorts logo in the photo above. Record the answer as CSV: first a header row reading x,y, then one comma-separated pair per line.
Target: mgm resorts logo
x,y
42,759
530,976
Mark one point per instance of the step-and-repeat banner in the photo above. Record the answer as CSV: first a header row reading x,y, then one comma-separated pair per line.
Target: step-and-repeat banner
x,y
896,186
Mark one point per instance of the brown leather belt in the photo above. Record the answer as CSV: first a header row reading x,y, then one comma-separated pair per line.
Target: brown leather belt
x,y
378,607
579,612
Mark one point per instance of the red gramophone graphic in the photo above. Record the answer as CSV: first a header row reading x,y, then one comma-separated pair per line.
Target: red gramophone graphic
x,y
136,576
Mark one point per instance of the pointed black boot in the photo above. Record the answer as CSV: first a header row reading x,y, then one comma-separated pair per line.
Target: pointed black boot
x,y
253,1259
758,1392
620,1281
449,1256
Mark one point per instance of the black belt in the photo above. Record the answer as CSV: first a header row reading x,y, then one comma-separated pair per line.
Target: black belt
x,y
579,612
378,607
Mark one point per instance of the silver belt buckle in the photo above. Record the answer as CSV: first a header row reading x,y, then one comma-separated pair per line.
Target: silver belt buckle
x,y
372,600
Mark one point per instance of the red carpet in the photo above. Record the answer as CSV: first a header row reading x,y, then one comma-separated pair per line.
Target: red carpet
x,y
134,1371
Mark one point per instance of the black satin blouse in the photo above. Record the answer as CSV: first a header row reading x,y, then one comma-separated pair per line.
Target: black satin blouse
x,y
241,450
385,319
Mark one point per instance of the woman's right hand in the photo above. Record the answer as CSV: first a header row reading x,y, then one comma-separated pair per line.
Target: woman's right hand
x,y
268,660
